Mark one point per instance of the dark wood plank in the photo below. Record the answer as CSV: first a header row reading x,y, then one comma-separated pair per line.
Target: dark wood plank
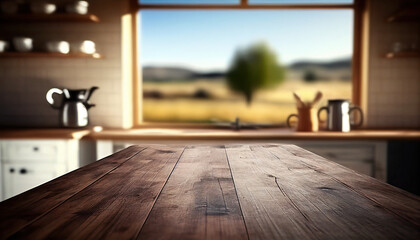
x,y
114,207
397,201
20,210
243,7
282,198
164,192
199,200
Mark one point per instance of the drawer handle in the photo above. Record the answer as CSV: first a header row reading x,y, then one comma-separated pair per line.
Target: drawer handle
x,y
36,149
12,170
23,171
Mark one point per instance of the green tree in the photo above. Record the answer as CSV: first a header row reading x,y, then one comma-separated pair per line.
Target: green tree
x,y
254,68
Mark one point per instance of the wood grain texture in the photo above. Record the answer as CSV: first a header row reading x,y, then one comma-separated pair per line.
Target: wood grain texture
x,y
114,207
257,191
282,198
19,211
199,201
397,201
243,7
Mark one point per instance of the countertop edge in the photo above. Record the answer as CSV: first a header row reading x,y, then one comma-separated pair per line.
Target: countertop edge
x,y
204,134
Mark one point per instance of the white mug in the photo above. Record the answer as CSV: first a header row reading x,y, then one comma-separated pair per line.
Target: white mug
x,y
4,45
58,46
23,44
79,7
88,47
43,8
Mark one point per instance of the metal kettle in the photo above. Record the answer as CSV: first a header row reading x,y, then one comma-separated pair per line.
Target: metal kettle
x,y
74,106
339,111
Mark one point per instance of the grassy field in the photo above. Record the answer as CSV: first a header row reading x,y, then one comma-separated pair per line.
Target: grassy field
x,y
269,106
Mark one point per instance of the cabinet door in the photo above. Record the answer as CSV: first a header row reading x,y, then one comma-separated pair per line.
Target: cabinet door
x,y
34,151
19,178
356,156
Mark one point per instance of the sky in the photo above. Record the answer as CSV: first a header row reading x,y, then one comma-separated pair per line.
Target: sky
x,y
206,40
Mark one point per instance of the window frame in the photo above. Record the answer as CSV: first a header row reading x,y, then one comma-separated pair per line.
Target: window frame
x,y
359,12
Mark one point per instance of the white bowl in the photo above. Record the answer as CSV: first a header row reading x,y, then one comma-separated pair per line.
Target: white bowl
x,y
87,47
23,44
43,8
79,7
4,45
58,47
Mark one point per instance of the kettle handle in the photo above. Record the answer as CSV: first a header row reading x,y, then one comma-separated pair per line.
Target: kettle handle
x,y
49,97
319,113
361,116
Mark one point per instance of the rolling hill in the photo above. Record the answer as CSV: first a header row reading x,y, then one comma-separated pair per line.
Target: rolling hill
x,y
338,69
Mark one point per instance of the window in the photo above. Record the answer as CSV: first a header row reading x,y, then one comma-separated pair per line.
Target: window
x,y
185,56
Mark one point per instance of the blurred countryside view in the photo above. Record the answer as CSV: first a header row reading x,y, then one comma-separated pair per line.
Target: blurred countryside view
x,y
186,57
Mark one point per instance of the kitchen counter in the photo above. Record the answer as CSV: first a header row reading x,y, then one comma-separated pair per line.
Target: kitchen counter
x,y
206,134
267,191
260,134
43,133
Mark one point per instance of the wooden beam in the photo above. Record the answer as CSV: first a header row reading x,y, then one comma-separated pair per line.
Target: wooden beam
x,y
243,7
244,3
357,51
136,70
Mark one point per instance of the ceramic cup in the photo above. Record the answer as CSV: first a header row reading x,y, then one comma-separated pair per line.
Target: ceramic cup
x,y
307,119
23,44
43,8
4,45
58,47
79,7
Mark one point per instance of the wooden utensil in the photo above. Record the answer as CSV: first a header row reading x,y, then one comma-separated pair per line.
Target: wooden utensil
x,y
317,98
299,101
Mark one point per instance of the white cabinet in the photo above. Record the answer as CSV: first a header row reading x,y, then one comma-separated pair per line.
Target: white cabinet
x,y
33,151
29,163
22,177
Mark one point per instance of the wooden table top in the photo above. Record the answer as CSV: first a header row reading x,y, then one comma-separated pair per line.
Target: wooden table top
x,y
265,191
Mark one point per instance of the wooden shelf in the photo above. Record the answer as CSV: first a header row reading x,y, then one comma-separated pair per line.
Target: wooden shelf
x,y
57,17
48,54
412,54
405,15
